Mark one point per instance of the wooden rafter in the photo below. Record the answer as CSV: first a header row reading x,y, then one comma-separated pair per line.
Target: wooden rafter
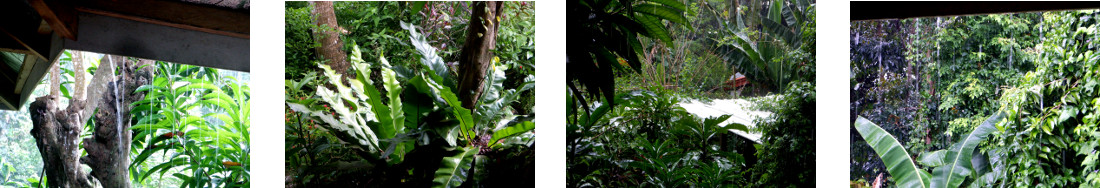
x,y
60,16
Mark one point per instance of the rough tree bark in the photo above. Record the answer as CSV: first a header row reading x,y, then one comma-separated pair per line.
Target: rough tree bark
x,y
57,130
78,74
331,48
475,59
55,79
109,147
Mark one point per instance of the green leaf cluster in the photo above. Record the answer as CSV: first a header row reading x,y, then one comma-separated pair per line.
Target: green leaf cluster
x,y
403,120
210,149
647,140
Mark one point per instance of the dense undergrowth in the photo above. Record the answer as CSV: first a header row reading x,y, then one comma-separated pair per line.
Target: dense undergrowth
x,y
939,78
397,119
632,65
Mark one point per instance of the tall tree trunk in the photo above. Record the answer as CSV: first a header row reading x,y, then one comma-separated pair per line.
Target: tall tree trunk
x,y
475,59
57,131
55,79
331,48
78,74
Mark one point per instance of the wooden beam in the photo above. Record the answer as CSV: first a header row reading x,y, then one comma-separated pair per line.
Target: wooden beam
x,y
34,44
183,15
59,15
118,36
39,67
25,72
867,10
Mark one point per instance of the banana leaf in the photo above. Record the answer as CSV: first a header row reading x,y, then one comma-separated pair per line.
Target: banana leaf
x,y
905,172
957,159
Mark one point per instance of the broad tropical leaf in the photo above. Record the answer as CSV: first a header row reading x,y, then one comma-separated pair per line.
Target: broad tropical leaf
x,y
957,159
893,154
655,28
932,159
510,131
662,12
453,170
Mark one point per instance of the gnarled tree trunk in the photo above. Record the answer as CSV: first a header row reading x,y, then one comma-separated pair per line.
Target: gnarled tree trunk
x,y
57,130
474,62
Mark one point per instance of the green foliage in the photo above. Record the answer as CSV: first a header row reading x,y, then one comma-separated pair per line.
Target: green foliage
x,y
930,80
515,47
787,155
1050,138
645,138
371,24
649,141
299,45
782,52
952,166
902,168
452,171
1042,65
403,130
605,33
210,149
20,161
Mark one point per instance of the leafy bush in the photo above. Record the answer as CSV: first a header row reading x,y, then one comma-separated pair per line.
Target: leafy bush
x,y
210,149
648,140
299,42
1051,132
787,155
415,132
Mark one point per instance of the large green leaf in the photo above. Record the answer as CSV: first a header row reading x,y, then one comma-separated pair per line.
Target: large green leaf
x,y
893,154
428,54
454,169
494,98
365,137
671,3
932,159
662,12
510,131
395,115
791,38
957,159
426,83
775,12
655,28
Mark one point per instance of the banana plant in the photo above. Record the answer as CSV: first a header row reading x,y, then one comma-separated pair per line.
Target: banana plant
x,y
787,25
951,166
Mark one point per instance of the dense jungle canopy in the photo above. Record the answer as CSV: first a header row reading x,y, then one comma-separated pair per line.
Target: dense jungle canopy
x,y
976,101
633,65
